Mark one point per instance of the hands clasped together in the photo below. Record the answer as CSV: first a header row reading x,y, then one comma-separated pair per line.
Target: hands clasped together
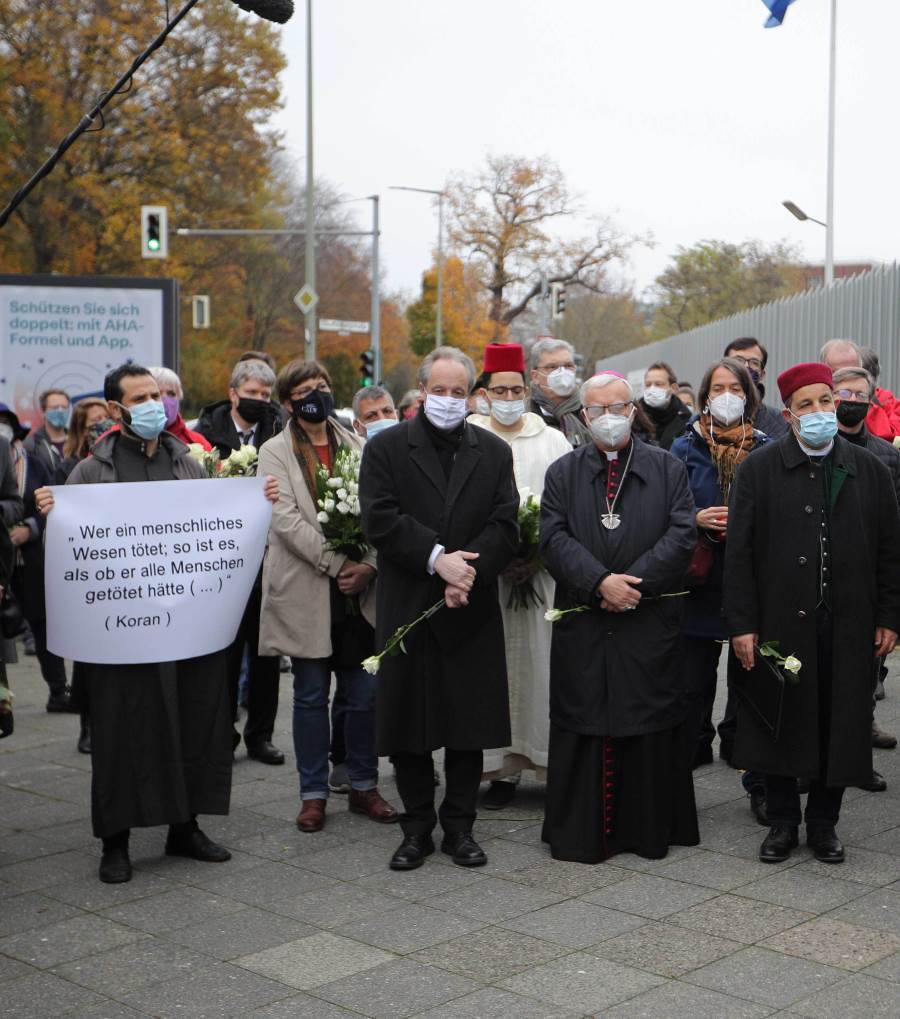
x,y
454,569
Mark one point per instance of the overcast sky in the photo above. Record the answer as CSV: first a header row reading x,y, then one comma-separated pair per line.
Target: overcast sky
x,y
681,118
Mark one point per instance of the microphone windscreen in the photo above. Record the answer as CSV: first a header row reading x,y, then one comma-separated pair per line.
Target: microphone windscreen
x,y
279,11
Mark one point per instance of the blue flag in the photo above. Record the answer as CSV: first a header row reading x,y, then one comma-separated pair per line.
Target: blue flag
x,y
778,9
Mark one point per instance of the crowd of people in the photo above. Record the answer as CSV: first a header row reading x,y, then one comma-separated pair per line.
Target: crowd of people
x,y
566,563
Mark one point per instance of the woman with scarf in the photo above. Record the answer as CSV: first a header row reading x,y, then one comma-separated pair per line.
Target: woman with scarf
x,y
718,440
304,613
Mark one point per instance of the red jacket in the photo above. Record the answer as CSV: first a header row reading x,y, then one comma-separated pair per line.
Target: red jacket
x,y
883,418
181,431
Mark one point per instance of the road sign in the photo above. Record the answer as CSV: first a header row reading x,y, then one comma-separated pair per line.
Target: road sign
x,y
306,298
336,325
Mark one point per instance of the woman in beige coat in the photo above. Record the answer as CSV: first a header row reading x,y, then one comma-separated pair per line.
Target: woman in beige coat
x,y
305,590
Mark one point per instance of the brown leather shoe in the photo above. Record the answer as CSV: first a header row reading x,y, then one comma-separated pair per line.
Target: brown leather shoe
x,y
371,803
312,815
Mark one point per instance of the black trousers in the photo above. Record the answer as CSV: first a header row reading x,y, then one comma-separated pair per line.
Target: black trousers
x,y
823,805
53,668
415,783
263,675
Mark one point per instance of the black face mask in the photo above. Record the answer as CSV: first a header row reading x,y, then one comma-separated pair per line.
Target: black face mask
x,y
252,410
850,414
314,407
754,374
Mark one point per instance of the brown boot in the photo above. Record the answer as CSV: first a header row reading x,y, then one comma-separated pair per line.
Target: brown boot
x,y
311,816
371,803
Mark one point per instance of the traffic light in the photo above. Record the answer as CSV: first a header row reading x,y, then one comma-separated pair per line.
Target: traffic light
x,y
200,311
557,300
154,231
367,368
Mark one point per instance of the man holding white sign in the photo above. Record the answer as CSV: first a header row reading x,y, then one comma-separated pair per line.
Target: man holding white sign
x,y
144,574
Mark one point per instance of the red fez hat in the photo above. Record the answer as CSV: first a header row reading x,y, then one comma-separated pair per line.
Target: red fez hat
x,y
504,357
801,375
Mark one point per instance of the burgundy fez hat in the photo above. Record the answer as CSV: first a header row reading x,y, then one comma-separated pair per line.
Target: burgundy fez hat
x,y
801,375
504,357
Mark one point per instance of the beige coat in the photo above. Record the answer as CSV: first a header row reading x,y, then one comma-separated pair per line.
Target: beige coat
x,y
296,600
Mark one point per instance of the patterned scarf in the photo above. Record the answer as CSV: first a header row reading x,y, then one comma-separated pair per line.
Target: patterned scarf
x,y
728,447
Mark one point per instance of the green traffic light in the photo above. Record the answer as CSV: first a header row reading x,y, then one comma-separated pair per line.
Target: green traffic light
x,y
153,244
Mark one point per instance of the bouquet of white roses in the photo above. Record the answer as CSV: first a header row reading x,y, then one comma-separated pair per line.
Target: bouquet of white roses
x,y
207,458
337,495
522,594
240,463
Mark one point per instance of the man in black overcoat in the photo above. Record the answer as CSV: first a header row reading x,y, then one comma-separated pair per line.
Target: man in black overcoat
x,y
617,535
812,562
439,504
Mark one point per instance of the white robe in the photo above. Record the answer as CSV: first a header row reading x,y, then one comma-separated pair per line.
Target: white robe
x,y
528,634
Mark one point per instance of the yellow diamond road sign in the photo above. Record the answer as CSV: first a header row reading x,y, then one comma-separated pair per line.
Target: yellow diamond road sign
x,y
306,298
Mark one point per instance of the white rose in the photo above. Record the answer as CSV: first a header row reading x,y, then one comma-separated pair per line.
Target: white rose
x,y
354,488
342,494
343,508
322,517
553,615
329,506
335,483
792,664
372,665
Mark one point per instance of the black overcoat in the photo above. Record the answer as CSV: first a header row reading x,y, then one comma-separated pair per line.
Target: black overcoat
x,y
617,673
450,688
772,589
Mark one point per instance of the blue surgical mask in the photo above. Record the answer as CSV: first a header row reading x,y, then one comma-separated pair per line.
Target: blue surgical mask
x,y
147,419
379,426
58,417
818,428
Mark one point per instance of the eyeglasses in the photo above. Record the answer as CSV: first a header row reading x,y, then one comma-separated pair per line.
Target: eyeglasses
x,y
849,394
501,391
301,394
547,368
611,408
750,362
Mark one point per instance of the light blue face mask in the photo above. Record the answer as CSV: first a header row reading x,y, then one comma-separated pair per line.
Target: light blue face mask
x,y
819,428
148,419
379,426
58,417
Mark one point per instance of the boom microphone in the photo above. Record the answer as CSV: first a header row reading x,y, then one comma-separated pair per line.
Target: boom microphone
x,y
272,10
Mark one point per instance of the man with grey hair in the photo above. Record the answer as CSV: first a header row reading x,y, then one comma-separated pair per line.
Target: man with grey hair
x,y
249,418
373,411
553,389
439,505
883,418
854,390
840,354
617,535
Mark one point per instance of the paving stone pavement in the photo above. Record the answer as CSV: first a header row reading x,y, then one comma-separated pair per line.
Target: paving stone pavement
x,y
316,926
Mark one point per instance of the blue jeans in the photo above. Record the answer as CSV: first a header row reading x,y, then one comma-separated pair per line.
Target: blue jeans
x,y
312,730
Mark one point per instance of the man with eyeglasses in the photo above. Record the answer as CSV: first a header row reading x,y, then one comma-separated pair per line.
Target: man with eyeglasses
x,y
754,356
854,389
617,534
554,389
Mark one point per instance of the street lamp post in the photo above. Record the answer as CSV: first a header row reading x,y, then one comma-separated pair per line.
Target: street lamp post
x,y
310,259
798,213
439,322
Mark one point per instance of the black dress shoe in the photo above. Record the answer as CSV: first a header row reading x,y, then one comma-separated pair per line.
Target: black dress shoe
x,y
758,805
825,844
191,842
499,795
878,783
411,852
265,752
115,865
60,701
464,849
777,845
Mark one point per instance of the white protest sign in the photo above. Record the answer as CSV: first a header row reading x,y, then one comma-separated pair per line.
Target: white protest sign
x,y
151,571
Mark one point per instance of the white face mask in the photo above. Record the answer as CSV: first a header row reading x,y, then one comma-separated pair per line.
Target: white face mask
x,y
611,429
656,396
445,412
562,381
482,406
379,426
6,432
507,412
727,408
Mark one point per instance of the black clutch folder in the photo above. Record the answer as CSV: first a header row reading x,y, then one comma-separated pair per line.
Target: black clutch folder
x,y
761,689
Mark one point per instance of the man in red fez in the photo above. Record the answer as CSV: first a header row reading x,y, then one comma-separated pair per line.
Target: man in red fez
x,y
813,565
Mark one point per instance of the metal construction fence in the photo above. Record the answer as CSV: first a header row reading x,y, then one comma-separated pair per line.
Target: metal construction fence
x,y
864,308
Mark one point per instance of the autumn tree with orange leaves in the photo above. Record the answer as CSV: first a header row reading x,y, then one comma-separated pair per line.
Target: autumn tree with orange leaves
x,y
504,219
